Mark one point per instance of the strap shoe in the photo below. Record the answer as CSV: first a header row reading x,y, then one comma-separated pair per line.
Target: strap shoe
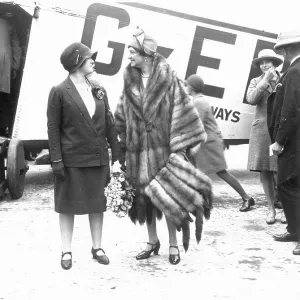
x,y
146,253
66,264
174,259
247,204
102,259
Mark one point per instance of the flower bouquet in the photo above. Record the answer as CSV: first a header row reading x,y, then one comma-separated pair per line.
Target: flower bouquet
x,y
119,192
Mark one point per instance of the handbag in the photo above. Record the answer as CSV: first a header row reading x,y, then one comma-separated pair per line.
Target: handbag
x,y
179,189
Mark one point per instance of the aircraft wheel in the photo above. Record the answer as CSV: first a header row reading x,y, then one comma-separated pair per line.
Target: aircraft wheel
x,y
16,168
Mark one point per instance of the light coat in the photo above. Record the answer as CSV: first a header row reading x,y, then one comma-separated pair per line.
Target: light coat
x,y
259,159
210,157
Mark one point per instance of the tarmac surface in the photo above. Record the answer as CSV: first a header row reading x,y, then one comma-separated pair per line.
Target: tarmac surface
x,y
237,257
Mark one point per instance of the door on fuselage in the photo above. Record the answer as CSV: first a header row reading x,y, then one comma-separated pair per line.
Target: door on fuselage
x,y
20,21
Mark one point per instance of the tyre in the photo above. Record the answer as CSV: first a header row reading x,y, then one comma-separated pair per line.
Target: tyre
x,y
16,168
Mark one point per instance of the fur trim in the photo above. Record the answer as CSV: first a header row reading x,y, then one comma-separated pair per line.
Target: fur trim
x,y
192,151
194,178
142,210
199,224
179,189
173,186
186,235
151,124
166,204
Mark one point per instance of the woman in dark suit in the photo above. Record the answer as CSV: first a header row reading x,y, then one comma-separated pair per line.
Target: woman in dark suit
x,y
79,132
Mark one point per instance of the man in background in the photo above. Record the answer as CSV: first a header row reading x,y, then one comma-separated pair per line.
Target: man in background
x,y
284,128
10,60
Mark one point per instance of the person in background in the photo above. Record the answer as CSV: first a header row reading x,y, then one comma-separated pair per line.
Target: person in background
x,y
284,128
154,118
10,60
79,134
259,160
210,158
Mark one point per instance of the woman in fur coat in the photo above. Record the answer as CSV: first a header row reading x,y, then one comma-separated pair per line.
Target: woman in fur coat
x,y
154,118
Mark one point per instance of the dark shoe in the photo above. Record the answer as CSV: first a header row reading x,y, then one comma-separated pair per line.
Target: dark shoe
x,y
102,259
66,264
174,259
146,254
285,237
247,204
296,251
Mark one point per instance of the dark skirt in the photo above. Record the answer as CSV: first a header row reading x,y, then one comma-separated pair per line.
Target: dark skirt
x,y
82,192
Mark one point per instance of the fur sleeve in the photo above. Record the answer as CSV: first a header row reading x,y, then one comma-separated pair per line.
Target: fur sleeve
x,y
187,130
120,123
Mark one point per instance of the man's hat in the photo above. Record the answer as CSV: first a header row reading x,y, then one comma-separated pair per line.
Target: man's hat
x,y
287,38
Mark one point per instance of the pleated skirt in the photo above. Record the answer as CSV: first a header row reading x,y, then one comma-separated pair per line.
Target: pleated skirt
x,y
82,192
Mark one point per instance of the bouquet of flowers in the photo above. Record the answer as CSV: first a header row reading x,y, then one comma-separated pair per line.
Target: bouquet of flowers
x,y
119,192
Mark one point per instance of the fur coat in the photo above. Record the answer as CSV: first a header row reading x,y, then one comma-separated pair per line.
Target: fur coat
x,y
152,123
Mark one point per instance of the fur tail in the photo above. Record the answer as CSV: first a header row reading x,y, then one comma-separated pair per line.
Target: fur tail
x,y
186,234
199,224
208,204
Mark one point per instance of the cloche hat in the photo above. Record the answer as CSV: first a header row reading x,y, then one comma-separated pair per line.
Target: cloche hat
x,y
143,42
74,56
196,82
288,37
267,54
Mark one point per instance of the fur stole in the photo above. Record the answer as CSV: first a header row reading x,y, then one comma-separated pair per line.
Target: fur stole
x,y
179,189
152,123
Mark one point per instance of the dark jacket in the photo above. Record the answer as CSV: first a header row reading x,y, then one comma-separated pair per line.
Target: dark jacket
x,y
284,121
75,137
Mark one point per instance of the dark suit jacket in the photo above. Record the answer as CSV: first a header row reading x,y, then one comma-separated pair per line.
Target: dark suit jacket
x,y
75,137
284,121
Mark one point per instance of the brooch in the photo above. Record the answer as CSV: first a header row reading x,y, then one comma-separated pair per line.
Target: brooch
x,y
98,93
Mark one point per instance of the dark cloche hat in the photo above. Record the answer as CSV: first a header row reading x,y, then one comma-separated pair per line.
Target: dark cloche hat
x,y
196,82
74,56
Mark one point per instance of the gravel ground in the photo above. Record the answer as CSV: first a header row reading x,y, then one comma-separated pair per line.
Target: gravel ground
x,y
236,259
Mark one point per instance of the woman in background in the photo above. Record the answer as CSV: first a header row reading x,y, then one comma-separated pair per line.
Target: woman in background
x,y
259,159
210,158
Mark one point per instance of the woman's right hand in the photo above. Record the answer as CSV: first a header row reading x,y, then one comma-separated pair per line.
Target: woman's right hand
x,y
58,169
270,73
